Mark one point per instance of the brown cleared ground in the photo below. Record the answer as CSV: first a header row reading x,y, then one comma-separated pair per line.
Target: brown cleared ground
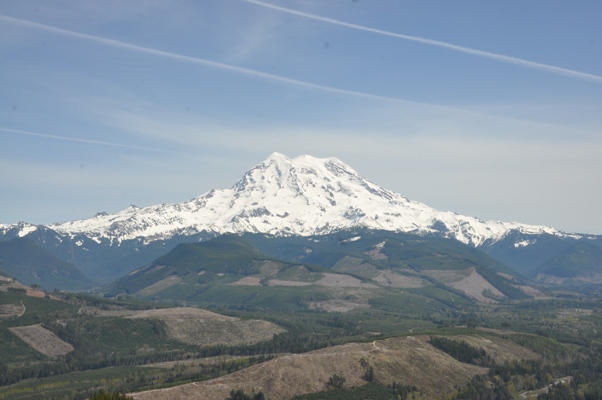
x,y
375,253
307,279
501,350
358,267
337,305
393,279
468,281
10,311
248,281
201,327
16,285
355,265
405,360
197,326
280,282
158,286
337,280
42,340
199,361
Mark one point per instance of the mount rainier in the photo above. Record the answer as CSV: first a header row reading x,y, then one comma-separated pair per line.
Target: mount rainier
x,y
289,196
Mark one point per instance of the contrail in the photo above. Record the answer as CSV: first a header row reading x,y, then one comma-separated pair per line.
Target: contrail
x,y
90,141
201,61
438,43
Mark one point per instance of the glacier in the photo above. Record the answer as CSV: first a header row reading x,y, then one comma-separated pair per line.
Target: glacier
x,y
286,196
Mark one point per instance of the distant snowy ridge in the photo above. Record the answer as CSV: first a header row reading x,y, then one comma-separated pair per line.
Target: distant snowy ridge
x,y
20,229
283,196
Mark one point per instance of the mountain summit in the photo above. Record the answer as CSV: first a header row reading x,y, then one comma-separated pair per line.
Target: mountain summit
x,y
292,196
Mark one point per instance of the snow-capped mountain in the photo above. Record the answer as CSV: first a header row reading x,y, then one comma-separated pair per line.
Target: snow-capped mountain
x,y
284,196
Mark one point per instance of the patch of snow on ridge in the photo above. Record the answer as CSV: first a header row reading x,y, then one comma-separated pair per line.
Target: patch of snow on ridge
x,y
26,229
353,239
300,196
524,243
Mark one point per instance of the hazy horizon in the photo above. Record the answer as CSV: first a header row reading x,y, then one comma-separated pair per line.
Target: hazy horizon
x,y
487,110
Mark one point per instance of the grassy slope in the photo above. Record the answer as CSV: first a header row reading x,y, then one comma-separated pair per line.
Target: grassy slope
x,y
201,273
402,251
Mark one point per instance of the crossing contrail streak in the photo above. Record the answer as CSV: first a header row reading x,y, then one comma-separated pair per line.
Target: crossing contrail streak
x,y
90,141
199,61
438,43
251,72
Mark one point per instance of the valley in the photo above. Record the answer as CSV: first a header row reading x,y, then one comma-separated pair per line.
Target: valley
x,y
286,339
302,281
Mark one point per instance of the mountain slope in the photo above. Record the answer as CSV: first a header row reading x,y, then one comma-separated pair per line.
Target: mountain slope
x,y
282,197
300,196
395,259
410,360
321,272
583,260
214,265
22,259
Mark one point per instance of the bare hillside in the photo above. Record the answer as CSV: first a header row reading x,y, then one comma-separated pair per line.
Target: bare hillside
x,y
201,327
28,291
468,281
42,340
499,349
409,360
198,326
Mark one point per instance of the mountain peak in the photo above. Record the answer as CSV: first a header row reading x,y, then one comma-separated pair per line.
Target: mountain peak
x,y
279,172
276,156
303,195
307,161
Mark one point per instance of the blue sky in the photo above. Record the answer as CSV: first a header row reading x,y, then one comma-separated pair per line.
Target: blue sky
x,y
488,109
